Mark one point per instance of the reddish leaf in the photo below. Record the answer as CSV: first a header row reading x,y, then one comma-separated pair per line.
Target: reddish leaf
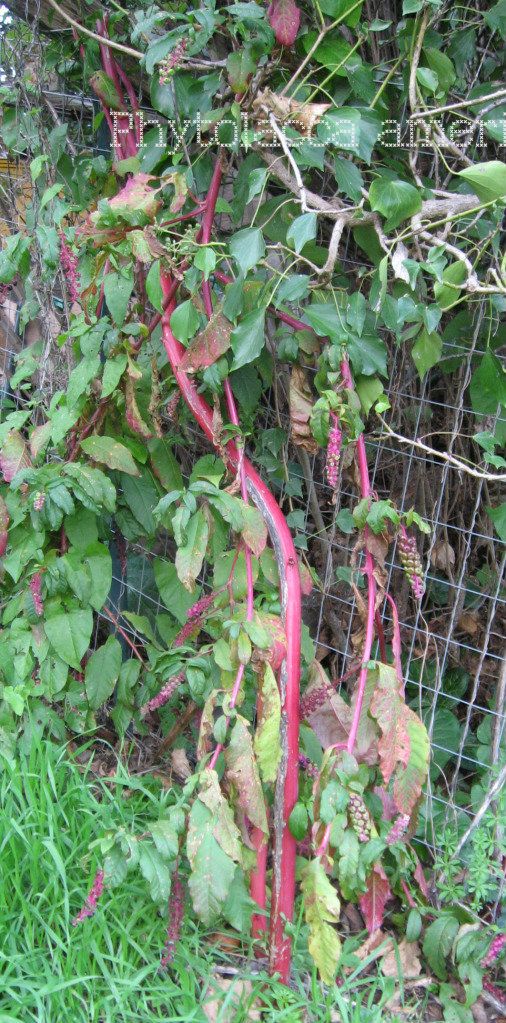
x,y
404,744
306,579
4,524
13,456
419,877
132,414
209,345
373,901
137,195
284,19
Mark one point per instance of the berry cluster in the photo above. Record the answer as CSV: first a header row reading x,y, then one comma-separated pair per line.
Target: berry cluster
x,y
411,563
497,946
359,818
36,591
398,829
169,65
307,765
39,501
333,454
194,619
313,700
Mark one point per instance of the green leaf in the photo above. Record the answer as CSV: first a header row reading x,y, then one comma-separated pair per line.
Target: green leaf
x,y
238,905
395,200
174,595
80,377
154,287
247,248
438,942
113,371
426,352
302,230
298,821
117,291
165,838
185,321
351,128
488,385
248,338
322,909
102,672
240,67
69,634
267,743
349,178
99,562
155,871
498,516
454,274
205,260
488,180
348,863
190,557
141,496
369,390
111,453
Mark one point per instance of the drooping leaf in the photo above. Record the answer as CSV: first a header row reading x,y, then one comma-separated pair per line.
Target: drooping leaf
x,y
69,634
242,771
13,455
301,404
372,903
102,672
225,831
302,230
284,19
117,291
212,871
156,872
322,909
111,453
438,942
426,351
132,413
240,68
267,739
175,596
190,556
348,854
404,744
247,248
248,338
4,525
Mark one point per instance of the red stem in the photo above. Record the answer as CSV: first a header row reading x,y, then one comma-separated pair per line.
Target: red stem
x,y
283,888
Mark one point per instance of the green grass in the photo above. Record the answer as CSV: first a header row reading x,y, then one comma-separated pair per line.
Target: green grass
x,y
106,969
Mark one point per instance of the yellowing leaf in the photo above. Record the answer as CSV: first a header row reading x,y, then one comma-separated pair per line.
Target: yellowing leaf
x,y
404,745
241,769
322,909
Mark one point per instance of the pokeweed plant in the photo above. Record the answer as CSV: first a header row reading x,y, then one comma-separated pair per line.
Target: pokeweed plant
x,y
173,318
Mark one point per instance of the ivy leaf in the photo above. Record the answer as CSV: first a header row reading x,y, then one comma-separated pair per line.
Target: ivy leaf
x,y
69,634
117,291
102,672
322,909
266,743
349,178
247,248
111,453
284,19
298,821
248,338
190,556
395,200
438,942
241,769
487,179
13,455
426,352
302,230
488,385
209,345
372,902
156,872
212,871
498,516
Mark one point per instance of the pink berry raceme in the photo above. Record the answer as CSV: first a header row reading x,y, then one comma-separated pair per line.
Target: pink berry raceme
x,y
496,947
398,829
411,562
164,695
169,65
69,266
194,618
36,591
333,453
90,903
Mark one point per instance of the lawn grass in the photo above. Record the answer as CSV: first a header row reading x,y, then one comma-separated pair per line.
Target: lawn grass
x,y
106,970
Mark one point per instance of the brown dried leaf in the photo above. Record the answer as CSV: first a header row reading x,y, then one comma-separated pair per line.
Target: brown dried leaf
x,y
132,414
469,623
180,764
209,345
406,956
302,116
238,995
301,404
443,556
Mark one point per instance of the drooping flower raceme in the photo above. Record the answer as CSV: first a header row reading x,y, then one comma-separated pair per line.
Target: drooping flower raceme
x,y
69,266
333,453
176,903
90,903
169,65
164,695
496,947
398,829
36,591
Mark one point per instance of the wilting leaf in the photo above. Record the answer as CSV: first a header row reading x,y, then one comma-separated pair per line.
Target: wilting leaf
x,y
241,769
209,345
404,743
156,872
372,902
212,871
240,68
132,414
111,453
301,404
284,19
266,742
438,941
303,116
189,558
225,831
137,195
322,909
13,455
